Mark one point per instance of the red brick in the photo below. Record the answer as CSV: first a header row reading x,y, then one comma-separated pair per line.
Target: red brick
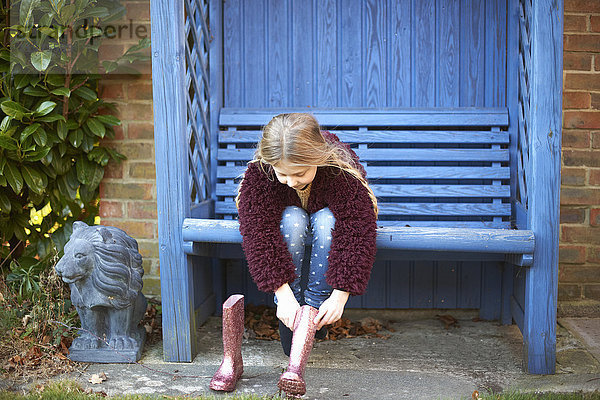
x,y
148,248
139,91
581,158
138,11
581,81
583,6
111,209
140,130
570,215
578,274
135,229
579,196
573,100
112,91
595,177
573,176
595,217
136,151
576,138
597,63
571,254
113,170
595,140
581,234
595,100
575,23
119,135
589,42
151,286
142,210
110,51
577,61
591,292
595,23
142,170
568,292
582,119
122,190
136,112
593,254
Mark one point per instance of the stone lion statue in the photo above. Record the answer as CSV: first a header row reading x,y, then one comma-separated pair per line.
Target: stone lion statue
x,y
103,268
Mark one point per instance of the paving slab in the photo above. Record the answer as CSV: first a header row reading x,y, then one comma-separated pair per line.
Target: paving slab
x,y
420,359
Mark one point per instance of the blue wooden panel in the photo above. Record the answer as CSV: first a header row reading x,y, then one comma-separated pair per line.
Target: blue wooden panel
x,y
446,284
373,53
254,28
422,291
448,53
472,42
423,45
351,82
400,282
277,65
326,40
374,48
303,58
491,292
469,292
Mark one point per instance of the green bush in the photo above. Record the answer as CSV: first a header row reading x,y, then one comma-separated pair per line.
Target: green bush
x,y
52,121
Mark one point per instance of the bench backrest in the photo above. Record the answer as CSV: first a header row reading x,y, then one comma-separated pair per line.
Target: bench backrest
x,y
427,167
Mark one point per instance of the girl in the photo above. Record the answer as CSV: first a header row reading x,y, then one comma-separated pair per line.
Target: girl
x,y
305,184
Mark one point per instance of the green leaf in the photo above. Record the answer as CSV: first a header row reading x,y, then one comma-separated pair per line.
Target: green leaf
x,y
28,131
21,81
5,206
100,155
14,178
41,59
45,108
5,123
61,129
84,169
63,91
37,155
49,31
51,118
35,91
40,137
96,177
86,93
75,137
26,11
56,80
33,178
109,119
66,13
65,188
13,109
8,143
96,127
88,142
109,66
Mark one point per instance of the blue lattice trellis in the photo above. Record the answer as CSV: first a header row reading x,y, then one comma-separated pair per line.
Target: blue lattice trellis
x,y
524,101
197,98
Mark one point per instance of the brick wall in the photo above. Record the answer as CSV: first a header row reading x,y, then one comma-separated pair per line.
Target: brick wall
x,y
579,277
128,191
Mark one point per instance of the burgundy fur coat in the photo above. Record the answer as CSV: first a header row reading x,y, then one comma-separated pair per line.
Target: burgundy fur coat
x,y
261,204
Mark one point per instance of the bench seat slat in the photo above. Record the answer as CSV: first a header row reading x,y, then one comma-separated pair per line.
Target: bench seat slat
x,y
495,191
386,136
409,117
395,154
417,209
508,241
374,173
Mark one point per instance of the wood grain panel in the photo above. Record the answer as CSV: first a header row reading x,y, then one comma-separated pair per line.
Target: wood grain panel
x,y
278,57
351,82
423,45
255,54
448,53
303,59
400,66
375,60
326,16
472,56
233,53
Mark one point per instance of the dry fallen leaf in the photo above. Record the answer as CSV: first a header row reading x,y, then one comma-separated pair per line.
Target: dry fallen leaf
x,y
148,328
98,378
448,320
475,395
25,320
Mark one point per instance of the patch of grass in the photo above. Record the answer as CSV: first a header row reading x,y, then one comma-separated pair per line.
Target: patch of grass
x,y
70,390
542,396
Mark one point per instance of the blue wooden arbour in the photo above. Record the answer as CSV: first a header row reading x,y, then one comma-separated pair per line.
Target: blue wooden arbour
x,y
516,67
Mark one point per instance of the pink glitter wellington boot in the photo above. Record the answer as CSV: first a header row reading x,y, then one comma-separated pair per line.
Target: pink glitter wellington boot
x,y
232,367
291,381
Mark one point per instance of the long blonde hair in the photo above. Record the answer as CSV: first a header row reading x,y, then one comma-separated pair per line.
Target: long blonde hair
x,y
297,139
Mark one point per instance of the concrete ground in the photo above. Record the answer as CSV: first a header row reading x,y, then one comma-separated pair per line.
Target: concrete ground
x,y
420,360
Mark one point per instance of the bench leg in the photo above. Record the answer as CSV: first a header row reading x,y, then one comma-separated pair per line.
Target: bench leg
x,y
539,323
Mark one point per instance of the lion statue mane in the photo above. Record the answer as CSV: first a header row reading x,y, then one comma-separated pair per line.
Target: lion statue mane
x,y
103,268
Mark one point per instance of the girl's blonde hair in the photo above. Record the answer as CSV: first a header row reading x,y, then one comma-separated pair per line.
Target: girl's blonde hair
x,y
297,139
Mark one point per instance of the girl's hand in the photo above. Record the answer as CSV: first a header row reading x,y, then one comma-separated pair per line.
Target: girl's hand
x,y
287,305
332,309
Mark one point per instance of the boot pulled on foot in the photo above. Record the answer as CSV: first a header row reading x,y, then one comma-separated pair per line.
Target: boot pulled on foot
x,y
292,381
232,367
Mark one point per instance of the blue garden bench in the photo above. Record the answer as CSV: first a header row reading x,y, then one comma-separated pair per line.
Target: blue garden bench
x,y
466,185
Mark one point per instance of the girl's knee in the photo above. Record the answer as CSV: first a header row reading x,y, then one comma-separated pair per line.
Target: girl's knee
x,y
294,222
323,221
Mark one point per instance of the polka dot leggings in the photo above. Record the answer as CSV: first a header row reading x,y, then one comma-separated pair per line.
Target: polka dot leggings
x,y
296,226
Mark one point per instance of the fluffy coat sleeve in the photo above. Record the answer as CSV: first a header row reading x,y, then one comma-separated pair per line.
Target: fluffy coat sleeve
x,y
353,245
260,209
